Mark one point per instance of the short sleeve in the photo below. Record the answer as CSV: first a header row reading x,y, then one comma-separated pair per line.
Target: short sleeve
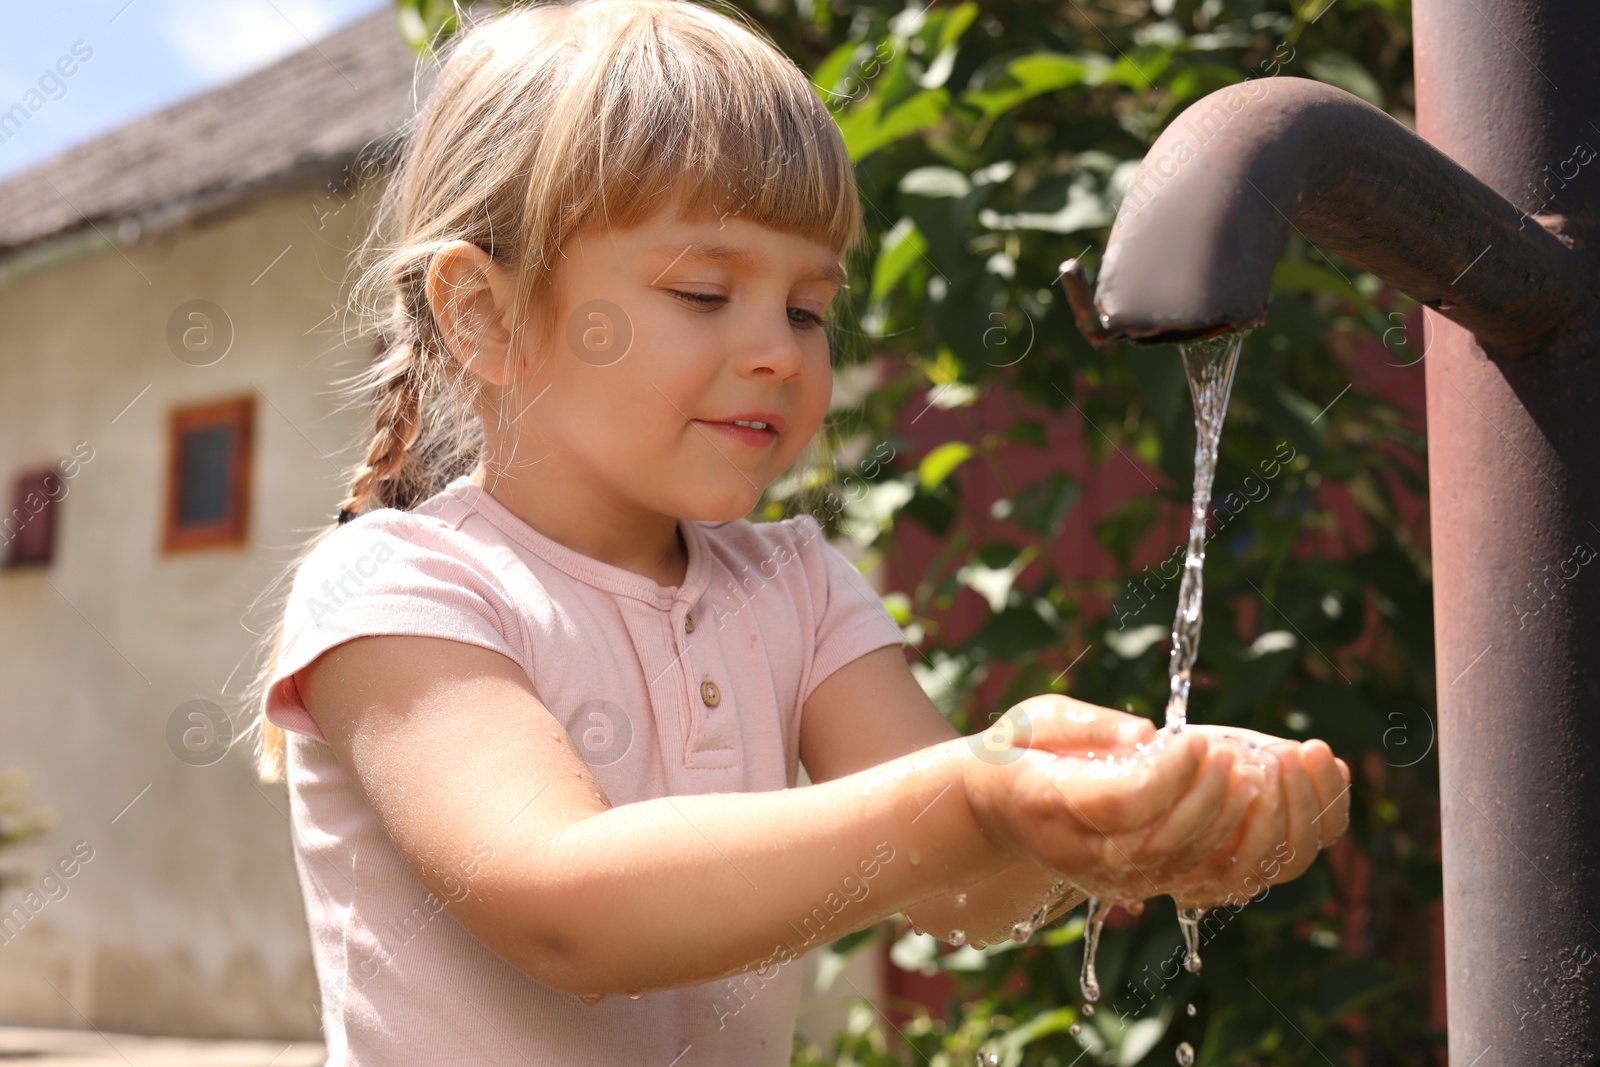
x,y
390,572
851,619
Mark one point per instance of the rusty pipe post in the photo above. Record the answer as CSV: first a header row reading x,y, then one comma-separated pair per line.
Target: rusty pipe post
x,y
1511,89
1498,239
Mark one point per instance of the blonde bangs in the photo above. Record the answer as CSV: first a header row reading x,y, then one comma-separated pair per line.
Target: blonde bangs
x,y
726,127
623,108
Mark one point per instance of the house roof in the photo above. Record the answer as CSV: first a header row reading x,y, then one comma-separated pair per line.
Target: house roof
x,y
305,115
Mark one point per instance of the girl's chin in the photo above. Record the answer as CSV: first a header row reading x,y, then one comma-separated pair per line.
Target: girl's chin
x,y
721,508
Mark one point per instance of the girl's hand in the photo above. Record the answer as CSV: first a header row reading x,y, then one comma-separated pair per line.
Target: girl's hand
x,y
1305,808
1094,794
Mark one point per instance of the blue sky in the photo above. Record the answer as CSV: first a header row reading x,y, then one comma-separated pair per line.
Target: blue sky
x,y
145,54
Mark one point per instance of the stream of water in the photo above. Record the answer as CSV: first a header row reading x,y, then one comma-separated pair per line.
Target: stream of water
x,y
1209,366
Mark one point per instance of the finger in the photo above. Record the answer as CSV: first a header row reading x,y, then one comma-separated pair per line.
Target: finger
x,y
1300,812
1241,867
1202,886
1244,784
1191,812
1109,800
1057,723
1239,734
1339,816
1330,785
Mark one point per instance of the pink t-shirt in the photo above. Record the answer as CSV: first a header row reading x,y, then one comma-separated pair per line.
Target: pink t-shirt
x,y
775,609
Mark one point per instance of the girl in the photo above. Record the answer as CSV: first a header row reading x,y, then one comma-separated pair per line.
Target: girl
x,y
542,691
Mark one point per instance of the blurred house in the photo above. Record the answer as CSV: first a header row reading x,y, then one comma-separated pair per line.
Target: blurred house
x,y
166,438
169,435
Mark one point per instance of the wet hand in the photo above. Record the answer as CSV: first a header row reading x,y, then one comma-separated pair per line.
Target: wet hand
x,y
1095,794
1304,809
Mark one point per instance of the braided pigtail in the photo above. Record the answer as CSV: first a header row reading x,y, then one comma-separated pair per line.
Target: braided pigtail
x,y
396,392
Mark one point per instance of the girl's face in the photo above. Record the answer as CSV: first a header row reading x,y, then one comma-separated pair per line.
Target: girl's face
x,y
666,338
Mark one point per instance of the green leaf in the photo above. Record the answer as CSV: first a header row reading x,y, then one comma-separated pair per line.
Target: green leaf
x,y
831,71
1055,1021
1140,68
1347,986
898,605
1121,532
937,465
1342,71
936,183
1042,508
955,23
1293,275
1035,74
865,131
1016,632
1028,432
1158,373
902,247
1059,205
425,24
998,555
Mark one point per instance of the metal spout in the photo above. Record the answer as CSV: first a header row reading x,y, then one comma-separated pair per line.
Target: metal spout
x,y
1196,239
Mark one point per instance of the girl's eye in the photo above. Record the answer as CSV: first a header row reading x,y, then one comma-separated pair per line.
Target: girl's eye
x,y
698,299
709,300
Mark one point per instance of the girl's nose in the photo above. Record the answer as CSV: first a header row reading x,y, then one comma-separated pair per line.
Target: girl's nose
x,y
770,348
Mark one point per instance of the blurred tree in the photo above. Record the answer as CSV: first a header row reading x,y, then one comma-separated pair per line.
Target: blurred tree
x,y
992,141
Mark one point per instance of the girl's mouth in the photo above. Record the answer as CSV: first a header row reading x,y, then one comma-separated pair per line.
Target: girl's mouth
x,y
754,432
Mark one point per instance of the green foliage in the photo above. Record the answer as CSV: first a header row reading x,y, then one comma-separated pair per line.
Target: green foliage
x,y
992,142
19,821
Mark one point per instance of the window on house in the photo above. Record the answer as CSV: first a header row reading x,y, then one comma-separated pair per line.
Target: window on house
x,y
208,475
28,530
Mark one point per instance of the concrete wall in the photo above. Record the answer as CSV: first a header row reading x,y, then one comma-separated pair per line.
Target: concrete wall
x,y
187,919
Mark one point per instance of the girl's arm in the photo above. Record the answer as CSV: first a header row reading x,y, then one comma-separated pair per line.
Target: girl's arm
x,y
872,710
495,811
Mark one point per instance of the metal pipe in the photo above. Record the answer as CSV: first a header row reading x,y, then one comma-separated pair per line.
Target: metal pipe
x,y
1511,89
1514,496
1199,232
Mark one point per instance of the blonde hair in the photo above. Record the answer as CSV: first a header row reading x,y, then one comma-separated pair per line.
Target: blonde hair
x,y
543,120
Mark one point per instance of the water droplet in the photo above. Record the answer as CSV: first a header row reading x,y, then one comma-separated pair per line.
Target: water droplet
x,y
635,996
1074,1029
1087,1011
1134,908
1190,1009
1189,923
1094,921
961,900
1024,929
988,1059
958,937
591,999
1185,1055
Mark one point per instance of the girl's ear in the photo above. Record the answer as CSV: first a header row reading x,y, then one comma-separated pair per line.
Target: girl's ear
x,y
472,298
